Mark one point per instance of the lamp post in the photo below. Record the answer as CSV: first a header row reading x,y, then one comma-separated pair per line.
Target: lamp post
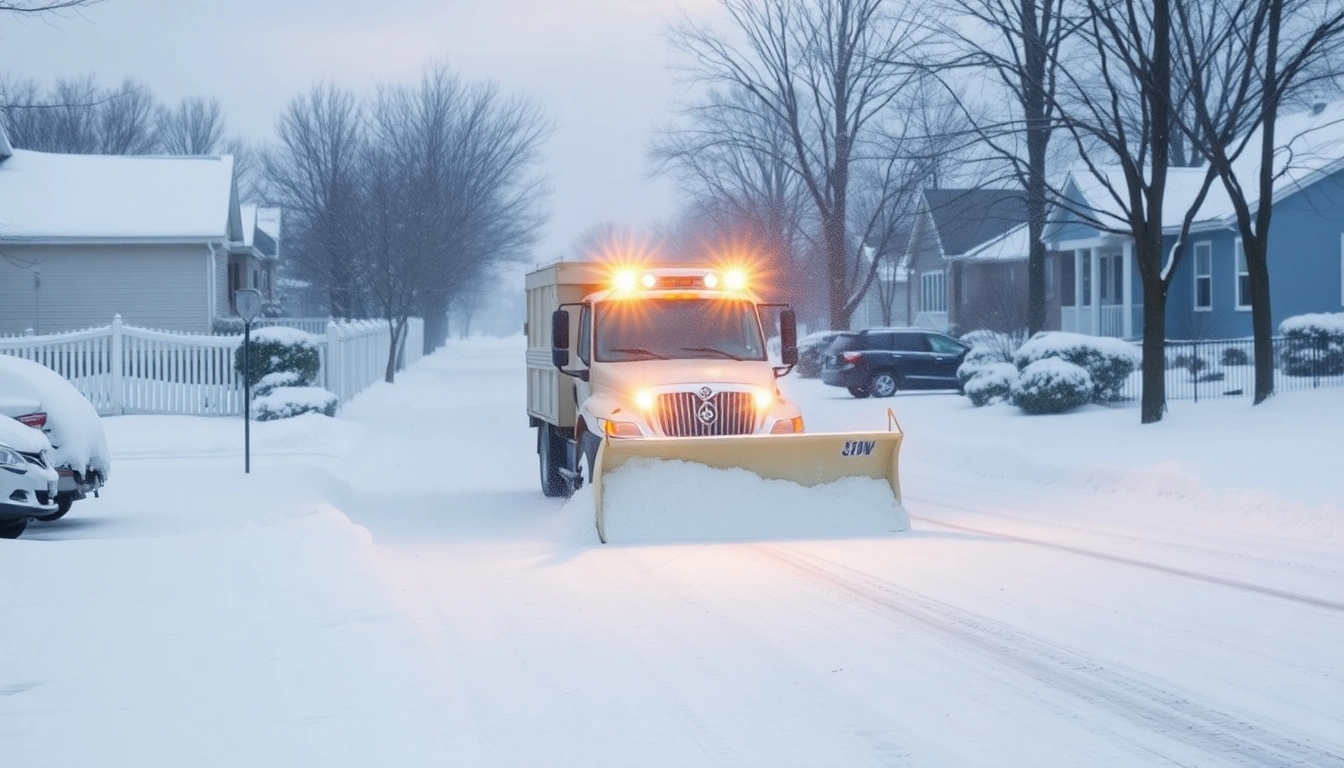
x,y
247,302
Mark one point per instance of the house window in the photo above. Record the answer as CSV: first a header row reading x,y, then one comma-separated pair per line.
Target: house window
x,y
1086,298
1068,264
1203,276
1243,279
933,292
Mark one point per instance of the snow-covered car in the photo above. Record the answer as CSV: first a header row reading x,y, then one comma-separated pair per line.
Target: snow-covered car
x,y
812,353
37,396
27,479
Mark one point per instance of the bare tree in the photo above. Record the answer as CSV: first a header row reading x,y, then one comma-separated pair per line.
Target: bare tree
x,y
1270,51
195,127
126,121
313,173
76,116
1116,104
826,71
1019,45
44,6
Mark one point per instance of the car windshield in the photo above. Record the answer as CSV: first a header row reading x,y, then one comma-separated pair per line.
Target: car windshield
x,y
677,329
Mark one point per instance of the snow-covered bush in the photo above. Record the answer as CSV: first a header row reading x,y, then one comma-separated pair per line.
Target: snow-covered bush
x,y
278,350
1002,345
977,359
285,402
272,381
1051,385
991,383
1107,361
1313,344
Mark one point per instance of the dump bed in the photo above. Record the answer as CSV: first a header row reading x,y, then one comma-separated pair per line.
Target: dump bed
x,y
550,394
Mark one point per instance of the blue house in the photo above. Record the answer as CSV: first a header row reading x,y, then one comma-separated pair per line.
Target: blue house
x,y
1099,288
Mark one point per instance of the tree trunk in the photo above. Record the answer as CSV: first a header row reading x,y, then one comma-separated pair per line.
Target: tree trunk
x,y
434,306
1262,321
1154,398
397,329
834,228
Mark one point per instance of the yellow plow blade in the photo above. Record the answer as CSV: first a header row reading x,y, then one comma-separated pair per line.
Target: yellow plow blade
x,y
807,459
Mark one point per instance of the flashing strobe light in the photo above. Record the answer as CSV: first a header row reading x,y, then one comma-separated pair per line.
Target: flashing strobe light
x,y
711,280
735,279
625,280
649,280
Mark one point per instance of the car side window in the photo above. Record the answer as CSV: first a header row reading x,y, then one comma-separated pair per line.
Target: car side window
x,y
880,341
909,342
586,335
943,345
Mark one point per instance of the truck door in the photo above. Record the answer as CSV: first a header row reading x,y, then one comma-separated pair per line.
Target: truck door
x,y
584,351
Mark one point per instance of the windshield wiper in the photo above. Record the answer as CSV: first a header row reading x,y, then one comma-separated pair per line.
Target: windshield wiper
x,y
712,350
646,354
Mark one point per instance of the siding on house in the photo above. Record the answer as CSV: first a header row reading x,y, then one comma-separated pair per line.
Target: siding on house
x,y
1305,241
153,286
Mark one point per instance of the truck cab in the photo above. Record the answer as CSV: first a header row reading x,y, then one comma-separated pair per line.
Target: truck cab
x,y
649,352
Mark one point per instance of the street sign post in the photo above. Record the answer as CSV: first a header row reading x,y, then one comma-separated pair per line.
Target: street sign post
x,y
247,301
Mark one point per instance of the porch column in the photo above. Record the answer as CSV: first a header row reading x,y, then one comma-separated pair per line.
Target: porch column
x,y
1095,298
1127,290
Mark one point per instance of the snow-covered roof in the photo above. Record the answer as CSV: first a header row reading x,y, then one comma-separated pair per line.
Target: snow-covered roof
x,y
1013,245
46,196
1311,147
268,221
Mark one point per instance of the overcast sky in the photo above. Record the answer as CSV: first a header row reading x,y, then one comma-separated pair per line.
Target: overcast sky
x,y
599,69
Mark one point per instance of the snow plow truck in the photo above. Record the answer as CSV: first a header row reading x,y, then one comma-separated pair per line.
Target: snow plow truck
x,y
670,362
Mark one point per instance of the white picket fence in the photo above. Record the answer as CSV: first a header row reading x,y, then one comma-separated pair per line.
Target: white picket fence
x,y
123,369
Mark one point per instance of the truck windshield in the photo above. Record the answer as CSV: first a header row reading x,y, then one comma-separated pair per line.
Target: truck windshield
x,y
677,329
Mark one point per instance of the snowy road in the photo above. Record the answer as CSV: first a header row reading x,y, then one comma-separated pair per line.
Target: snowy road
x,y
1074,591
1016,624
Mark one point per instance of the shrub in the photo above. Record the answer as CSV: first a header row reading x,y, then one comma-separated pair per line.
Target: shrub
x,y
1051,385
1107,361
991,383
976,360
1235,356
286,402
1002,345
1313,344
227,326
280,350
272,381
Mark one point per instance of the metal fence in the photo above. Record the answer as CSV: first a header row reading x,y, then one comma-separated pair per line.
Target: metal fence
x,y
123,369
1205,370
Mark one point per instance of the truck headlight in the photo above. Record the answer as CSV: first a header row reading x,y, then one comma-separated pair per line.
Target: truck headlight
x,y
621,428
11,460
787,426
764,399
645,399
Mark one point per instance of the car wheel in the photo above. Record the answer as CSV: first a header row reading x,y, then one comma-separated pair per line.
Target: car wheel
x,y
883,384
12,529
551,456
62,506
858,392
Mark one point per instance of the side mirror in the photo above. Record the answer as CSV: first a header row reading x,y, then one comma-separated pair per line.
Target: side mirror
x,y
788,337
560,338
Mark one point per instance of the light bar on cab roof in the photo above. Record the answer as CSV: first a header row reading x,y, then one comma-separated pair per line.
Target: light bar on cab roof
x,y
631,279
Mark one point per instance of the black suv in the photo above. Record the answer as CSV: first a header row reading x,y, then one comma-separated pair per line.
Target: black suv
x,y
880,361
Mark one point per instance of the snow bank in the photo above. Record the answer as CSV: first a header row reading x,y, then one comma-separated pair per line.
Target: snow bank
x,y
653,501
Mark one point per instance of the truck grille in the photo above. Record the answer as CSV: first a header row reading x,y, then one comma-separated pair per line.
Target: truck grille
x,y
688,414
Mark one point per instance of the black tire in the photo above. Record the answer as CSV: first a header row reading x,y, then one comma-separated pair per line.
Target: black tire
x,y
12,529
63,505
551,457
588,445
858,392
884,384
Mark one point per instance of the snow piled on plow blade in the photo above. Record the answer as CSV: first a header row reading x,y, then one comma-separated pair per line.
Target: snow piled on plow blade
x,y
647,501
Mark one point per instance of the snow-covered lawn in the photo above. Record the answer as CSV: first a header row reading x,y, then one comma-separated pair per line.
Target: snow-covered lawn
x,y
390,587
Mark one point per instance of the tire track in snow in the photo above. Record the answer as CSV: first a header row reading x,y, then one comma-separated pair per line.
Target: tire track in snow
x,y
1282,594
1105,687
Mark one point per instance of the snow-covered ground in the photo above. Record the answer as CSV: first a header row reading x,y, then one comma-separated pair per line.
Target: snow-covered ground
x,y
390,587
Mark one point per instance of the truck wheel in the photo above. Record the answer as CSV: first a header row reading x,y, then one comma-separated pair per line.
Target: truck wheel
x,y
12,529
551,456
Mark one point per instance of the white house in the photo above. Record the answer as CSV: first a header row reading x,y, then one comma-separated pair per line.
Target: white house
x,y
159,240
